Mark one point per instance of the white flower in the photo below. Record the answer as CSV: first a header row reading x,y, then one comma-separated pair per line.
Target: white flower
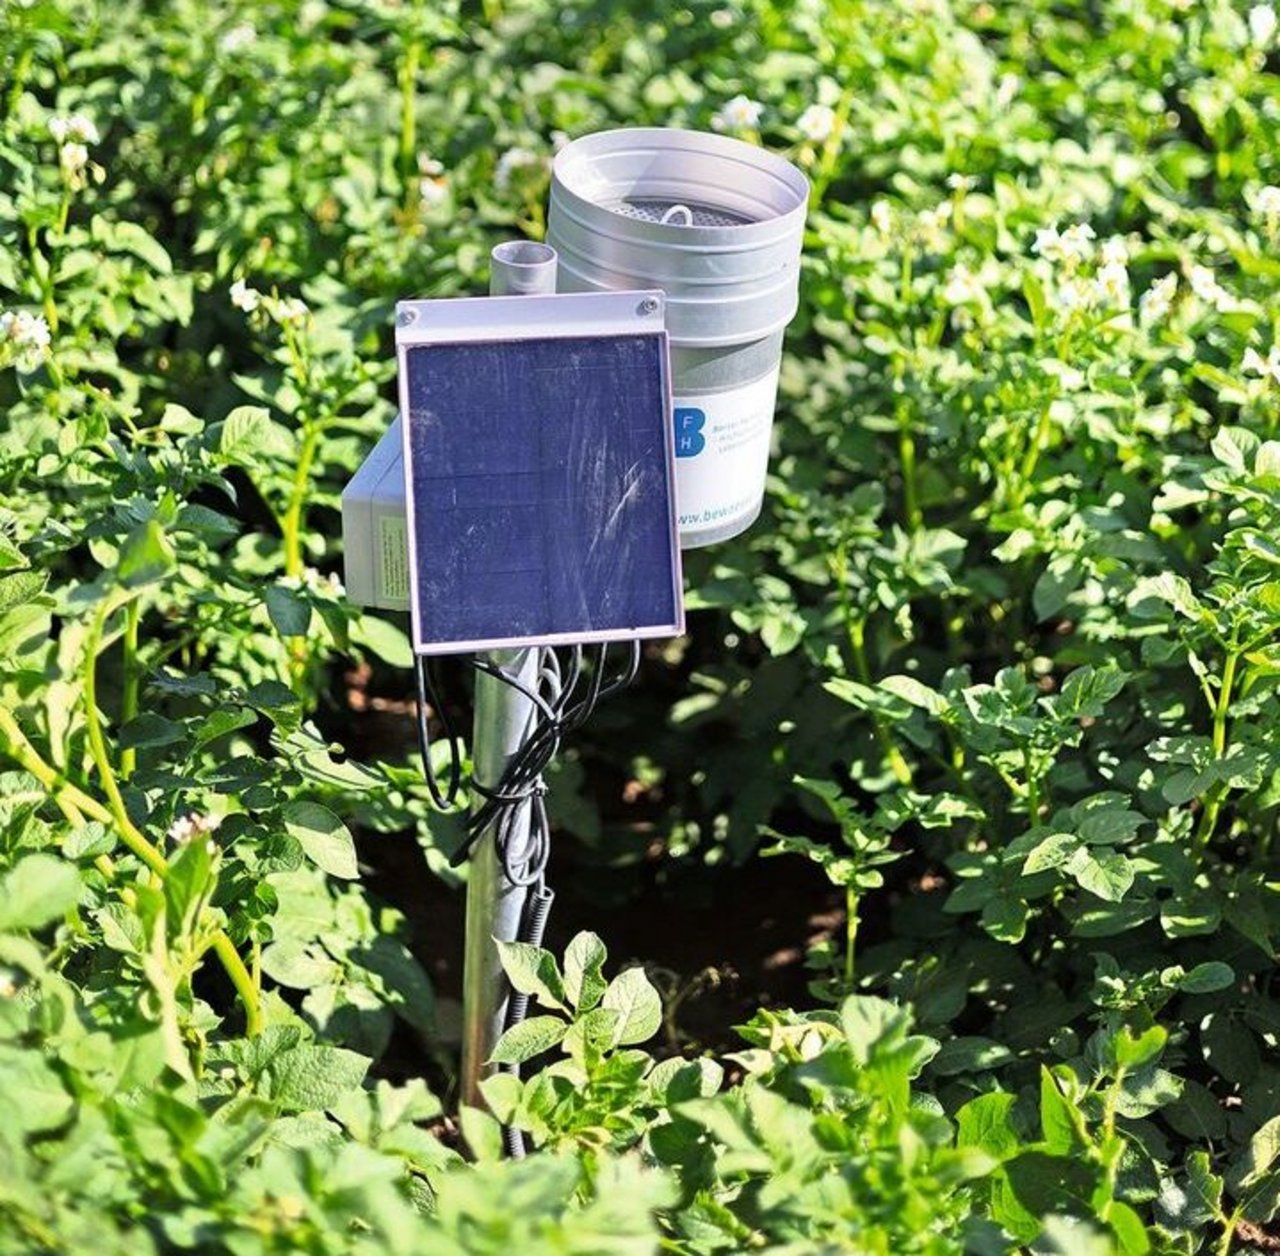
x,y
1074,294
325,586
816,123
558,140
882,217
237,39
1070,247
1069,378
291,310
961,182
1267,202
1076,242
1048,244
930,223
740,114
73,158
190,826
432,193
1006,90
1206,287
28,335
722,19
73,127
1262,24
244,297
512,161
1253,363
1157,301
428,166
1111,284
963,287
1114,251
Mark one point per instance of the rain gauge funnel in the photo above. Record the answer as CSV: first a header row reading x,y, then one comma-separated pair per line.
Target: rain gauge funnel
x,y
718,225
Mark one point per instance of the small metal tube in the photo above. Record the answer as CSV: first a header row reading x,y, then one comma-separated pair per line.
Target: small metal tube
x,y
522,268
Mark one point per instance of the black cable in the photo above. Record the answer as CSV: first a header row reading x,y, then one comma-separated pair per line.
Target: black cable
x,y
533,926
427,701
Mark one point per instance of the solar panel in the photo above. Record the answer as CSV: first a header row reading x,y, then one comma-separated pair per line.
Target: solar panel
x,y
538,449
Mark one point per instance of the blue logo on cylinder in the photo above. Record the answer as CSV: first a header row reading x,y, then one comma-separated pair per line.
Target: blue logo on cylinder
x,y
689,438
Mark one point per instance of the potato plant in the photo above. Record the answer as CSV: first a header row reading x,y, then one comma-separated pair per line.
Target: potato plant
x,y
1002,656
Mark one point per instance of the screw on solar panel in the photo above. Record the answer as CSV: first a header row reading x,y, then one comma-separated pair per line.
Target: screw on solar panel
x,y
538,448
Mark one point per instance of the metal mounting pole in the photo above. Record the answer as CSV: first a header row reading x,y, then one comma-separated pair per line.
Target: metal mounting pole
x,y
503,718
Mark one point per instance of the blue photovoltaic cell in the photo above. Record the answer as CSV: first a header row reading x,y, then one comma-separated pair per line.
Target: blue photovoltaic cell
x,y
541,496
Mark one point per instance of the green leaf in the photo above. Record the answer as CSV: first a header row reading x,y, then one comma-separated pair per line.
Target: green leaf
x,y
384,639
249,433
637,1004
1130,1233
1134,1050
33,1098
970,1055
145,556
533,971
1060,1121
188,883
150,729
300,967
325,839
918,695
1207,978
1033,291
1086,692
1046,1184
36,890
584,982
866,1020
529,1038
1109,875
1054,851
1234,447
502,1092
130,237
987,1123
482,1133
289,611
1005,918
313,1077
1264,1148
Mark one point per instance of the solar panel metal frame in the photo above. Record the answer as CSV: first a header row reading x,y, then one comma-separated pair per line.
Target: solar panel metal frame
x,y
562,316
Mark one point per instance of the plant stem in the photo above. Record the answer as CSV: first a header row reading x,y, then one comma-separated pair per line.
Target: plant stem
x,y
18,83
98,748
408,117
292,521
858,645
907,456
1228,1235
1030,459
1033,788
130,679
1213,803
246,988
850,933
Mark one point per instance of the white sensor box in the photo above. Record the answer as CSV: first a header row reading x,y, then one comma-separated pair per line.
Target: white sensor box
x,y
375,541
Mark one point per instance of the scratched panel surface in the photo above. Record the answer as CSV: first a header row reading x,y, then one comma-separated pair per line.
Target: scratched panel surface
x,y
541,497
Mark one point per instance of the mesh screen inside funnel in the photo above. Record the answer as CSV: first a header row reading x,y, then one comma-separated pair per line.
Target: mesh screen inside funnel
x,y
680,214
